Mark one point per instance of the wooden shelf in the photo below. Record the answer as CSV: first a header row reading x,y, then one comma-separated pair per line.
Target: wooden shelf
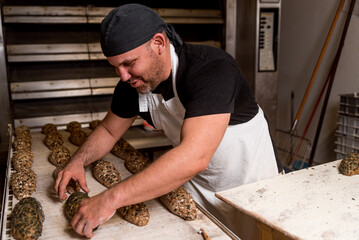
x,y
64,52
63,88
48,47
83,15
36,123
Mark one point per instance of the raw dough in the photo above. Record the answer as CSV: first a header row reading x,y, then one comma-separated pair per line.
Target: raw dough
x,y
72,204
60,156
48,128
22,159
350,164
137,214
106,173
180,203
23,183
22,130
53,140
135,161
94,124
21,143
78,137
27,218
73,126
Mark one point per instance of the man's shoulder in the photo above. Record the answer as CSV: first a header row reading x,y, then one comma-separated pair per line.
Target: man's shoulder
x,y
198,56
198,59
202,52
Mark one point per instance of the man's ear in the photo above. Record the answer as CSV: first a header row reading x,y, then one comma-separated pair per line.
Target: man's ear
x,y
159,43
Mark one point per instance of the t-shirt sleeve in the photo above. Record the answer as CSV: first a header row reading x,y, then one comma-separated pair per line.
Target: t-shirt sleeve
x,y
211,90
125,101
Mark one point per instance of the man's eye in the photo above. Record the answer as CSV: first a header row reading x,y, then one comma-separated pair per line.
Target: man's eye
x,y
130,63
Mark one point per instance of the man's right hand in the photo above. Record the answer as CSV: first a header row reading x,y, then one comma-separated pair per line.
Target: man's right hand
x,y
74,170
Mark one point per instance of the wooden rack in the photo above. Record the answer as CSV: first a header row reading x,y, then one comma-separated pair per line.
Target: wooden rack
x,y
83,15
25,51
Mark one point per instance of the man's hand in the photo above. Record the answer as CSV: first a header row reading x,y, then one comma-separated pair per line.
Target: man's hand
x,y
74,170
93,212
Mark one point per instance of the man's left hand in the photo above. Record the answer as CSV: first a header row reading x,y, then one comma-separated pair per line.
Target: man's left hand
x,y
93,212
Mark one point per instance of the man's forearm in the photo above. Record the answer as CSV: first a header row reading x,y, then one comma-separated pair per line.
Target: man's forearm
x,y
97,145
102,139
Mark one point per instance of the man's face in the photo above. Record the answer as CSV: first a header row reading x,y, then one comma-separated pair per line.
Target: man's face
x,y
141,67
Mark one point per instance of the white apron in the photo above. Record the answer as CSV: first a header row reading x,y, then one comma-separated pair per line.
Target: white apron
x,y
244,155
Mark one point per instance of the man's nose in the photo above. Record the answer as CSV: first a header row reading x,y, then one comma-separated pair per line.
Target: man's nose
x,y
124,74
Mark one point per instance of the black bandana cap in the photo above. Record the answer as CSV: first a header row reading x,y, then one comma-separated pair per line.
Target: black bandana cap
x,y
131,25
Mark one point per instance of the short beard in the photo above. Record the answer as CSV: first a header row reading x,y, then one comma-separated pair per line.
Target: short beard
x,y
154,76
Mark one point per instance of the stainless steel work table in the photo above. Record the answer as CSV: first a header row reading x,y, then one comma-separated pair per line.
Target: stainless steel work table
x,y
313,203
162,224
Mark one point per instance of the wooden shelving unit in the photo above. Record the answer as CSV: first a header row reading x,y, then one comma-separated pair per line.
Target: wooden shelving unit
x,y
54,59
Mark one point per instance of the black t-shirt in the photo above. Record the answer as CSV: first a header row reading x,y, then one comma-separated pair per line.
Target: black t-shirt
x,y
208,82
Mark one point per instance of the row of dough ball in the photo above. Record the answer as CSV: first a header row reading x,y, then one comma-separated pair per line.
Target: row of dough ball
x,y
23,179
27,216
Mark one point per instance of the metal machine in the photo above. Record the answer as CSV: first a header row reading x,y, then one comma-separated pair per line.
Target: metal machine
x,y
254,41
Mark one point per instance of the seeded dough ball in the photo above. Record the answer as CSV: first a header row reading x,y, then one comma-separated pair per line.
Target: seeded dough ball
x,y
53,140
72,204
72,126
106,173
27,218
22,130
350,164
180,203
78,137
48,128
60,156
22,143
22,159
23,183
94,124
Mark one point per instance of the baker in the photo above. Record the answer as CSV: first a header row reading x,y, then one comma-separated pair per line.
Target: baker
x,y
197,96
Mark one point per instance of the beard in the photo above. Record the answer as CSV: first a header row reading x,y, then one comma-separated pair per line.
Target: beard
x,y
153,77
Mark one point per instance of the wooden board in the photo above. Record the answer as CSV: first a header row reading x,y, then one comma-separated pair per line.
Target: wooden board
x,y
313,203
162,224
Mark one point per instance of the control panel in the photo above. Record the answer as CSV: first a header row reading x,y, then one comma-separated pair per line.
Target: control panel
x,y
267,44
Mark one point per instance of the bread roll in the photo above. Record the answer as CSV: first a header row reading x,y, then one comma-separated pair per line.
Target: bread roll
x,y
53,140
137,165
60,156
48,128
106,173
72,204
180,203
22,130
23,183
78,137
73,126
27,218
22,159
135,161
21,143
350,164
94,124
137,214
23,133
125,151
